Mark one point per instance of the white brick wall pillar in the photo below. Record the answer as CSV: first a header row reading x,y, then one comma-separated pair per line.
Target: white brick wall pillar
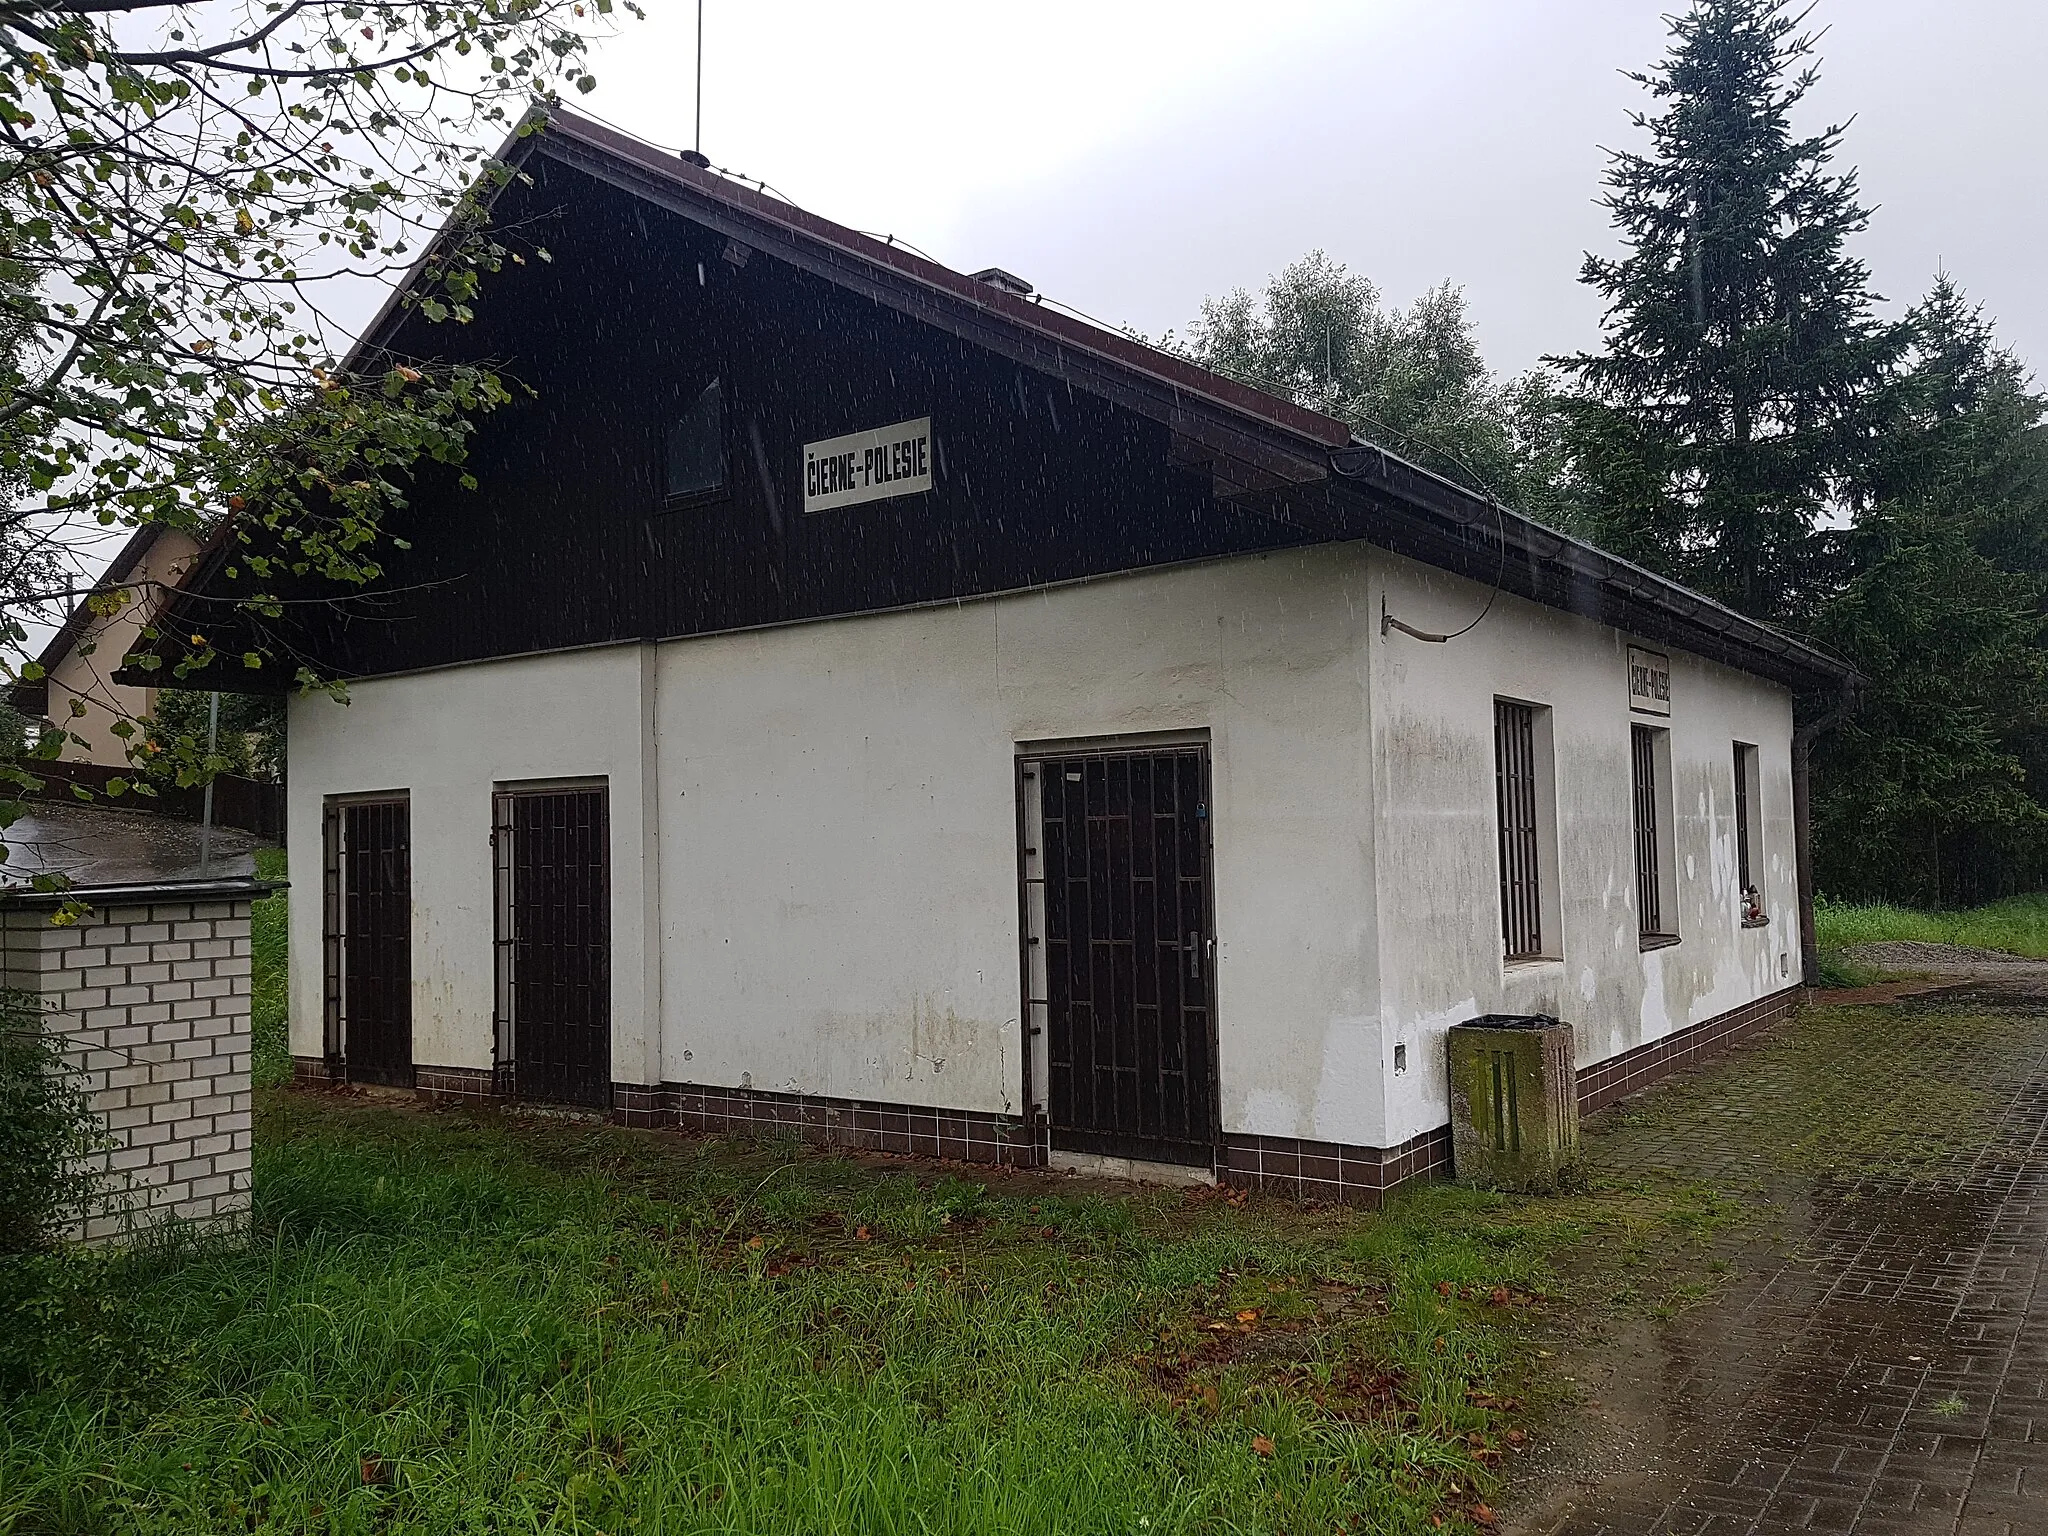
x,y
150,991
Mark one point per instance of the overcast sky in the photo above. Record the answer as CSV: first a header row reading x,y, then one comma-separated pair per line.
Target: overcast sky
x,y
1131,156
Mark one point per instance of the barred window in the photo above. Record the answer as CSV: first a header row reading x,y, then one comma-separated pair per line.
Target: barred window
x,y
1742,815
1514,775
1653,835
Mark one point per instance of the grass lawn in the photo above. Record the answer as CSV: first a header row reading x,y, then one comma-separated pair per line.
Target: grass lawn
x,y
268,1004
456,1322
451,1321
2018,925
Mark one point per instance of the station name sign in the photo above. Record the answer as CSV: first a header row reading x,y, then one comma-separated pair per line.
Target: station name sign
x,y
1649,681
868,466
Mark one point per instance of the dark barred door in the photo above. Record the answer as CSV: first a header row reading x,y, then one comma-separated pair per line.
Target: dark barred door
x,y
1121,858
553,850
369,940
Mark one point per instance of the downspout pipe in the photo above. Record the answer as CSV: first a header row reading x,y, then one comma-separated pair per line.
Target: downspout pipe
x,y
1803,738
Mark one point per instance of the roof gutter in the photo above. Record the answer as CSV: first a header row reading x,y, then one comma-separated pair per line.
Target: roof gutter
x,y
1587,580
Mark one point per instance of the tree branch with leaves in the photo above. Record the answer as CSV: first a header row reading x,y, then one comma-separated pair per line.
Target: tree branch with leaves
x,y
190,198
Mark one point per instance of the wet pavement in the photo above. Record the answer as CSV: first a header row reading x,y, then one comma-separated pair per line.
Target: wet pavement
x,y
1878,1364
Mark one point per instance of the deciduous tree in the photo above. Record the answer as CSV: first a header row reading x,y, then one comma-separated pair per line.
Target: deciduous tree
x,y
190,197
1412,379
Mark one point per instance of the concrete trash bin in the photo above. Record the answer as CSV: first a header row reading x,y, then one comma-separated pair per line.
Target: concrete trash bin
x,y
1514,1103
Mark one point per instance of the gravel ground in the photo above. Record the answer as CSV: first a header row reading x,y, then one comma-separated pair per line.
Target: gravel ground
x,y
1942,959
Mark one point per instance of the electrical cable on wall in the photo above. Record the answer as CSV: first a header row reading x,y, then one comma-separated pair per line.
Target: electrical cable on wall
x,y
1388,622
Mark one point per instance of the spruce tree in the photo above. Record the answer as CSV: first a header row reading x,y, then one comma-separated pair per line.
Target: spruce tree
x,y
1969,438
1932,791
1744,379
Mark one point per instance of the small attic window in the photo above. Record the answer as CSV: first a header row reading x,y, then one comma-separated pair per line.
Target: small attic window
x,y
693,453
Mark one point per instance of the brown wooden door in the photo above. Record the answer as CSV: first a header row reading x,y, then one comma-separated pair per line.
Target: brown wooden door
x,y
369,934
554,945
1128,975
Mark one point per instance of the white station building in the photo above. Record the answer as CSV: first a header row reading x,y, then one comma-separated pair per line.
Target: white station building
x,y
860,701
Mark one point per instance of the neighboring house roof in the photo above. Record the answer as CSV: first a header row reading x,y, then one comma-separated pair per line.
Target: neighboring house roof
x,y
33,699
1303,469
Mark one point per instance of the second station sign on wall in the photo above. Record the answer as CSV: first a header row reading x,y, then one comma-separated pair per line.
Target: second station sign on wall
x,y
1649,681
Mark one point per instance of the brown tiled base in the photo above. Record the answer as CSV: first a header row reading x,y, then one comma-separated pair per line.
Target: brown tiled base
x,y
1322,1170
1328,1170
961,1135
639,1105
1619,1076
452,1085
1316,1170
309,1072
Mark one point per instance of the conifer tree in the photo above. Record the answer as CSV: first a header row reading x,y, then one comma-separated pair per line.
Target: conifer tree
x,y
1932,791
1744,380
1968,437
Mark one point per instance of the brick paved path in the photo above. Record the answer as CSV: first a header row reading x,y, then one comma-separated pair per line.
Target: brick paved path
x,y
1883,1369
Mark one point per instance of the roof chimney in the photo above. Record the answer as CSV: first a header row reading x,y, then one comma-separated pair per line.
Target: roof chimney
x,y
1009,282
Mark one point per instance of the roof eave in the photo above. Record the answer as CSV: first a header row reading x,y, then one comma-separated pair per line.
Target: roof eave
x,y
1666,610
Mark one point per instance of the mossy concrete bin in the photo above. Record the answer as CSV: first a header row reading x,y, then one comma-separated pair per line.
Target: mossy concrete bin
x,y
1514,1103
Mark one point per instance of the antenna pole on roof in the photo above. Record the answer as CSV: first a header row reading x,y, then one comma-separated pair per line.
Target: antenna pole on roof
x,y
694,155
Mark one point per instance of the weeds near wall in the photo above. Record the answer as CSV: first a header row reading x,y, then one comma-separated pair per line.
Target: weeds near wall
x,y
269,1006
49,1137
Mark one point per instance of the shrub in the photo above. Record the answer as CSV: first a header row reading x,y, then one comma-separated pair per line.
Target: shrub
x,y
49,1135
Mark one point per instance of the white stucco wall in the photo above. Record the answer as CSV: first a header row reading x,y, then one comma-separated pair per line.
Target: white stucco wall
x,y
839,890
447,738
830,809
836,832
1439,908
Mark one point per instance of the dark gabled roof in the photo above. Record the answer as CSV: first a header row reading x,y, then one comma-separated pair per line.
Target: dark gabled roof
x,y
1301,468
1266,441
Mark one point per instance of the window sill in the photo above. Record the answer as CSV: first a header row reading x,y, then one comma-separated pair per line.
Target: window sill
x,y
688,501
1756,922
1652,941
1513,963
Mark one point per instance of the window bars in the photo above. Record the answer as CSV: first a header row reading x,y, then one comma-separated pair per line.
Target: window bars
x,y
1514,775
1742,875
1649,876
